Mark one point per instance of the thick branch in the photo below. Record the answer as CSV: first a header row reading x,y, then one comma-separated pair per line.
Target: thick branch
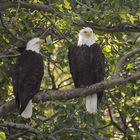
x,y
123,60
73,93
50,9
118,28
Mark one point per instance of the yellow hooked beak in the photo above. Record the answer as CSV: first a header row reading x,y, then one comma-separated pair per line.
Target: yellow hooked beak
x,y
88,34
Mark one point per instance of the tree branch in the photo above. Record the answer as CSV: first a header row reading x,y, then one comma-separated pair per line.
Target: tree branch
x,y
51,136
118,28
123,60
27,127
20,126
135,125
40,7
9,56
113,122
51,77
53,95
117,126
95,136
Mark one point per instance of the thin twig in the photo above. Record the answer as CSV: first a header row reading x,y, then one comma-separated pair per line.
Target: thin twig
x,y
51,77
9,56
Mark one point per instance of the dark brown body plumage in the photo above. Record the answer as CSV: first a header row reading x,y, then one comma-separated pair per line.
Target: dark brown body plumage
x,y
27,74
86,65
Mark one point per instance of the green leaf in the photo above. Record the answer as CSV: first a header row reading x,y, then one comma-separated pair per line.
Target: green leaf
x,y
49,40
2,136
130,66
60,6
67,5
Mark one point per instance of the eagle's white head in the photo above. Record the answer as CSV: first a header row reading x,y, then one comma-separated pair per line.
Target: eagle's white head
x,y
34,45
86,37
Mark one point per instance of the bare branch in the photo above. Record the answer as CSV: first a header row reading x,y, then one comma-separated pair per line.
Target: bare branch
x,y
106,126
59,85
73,93
123,119
51,77
123,60
135,125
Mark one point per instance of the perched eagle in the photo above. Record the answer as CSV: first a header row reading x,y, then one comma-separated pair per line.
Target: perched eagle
x,y
86,62
27,74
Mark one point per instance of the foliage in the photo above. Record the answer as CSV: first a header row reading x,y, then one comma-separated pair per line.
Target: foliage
x,y
122,102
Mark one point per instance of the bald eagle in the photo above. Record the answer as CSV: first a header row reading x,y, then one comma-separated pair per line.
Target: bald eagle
x,y
27,74
86,62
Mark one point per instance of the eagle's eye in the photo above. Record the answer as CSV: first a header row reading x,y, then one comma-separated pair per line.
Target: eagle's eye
x,y
85,32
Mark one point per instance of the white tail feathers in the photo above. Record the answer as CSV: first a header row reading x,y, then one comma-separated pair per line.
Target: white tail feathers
x,y
27,113
91,103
